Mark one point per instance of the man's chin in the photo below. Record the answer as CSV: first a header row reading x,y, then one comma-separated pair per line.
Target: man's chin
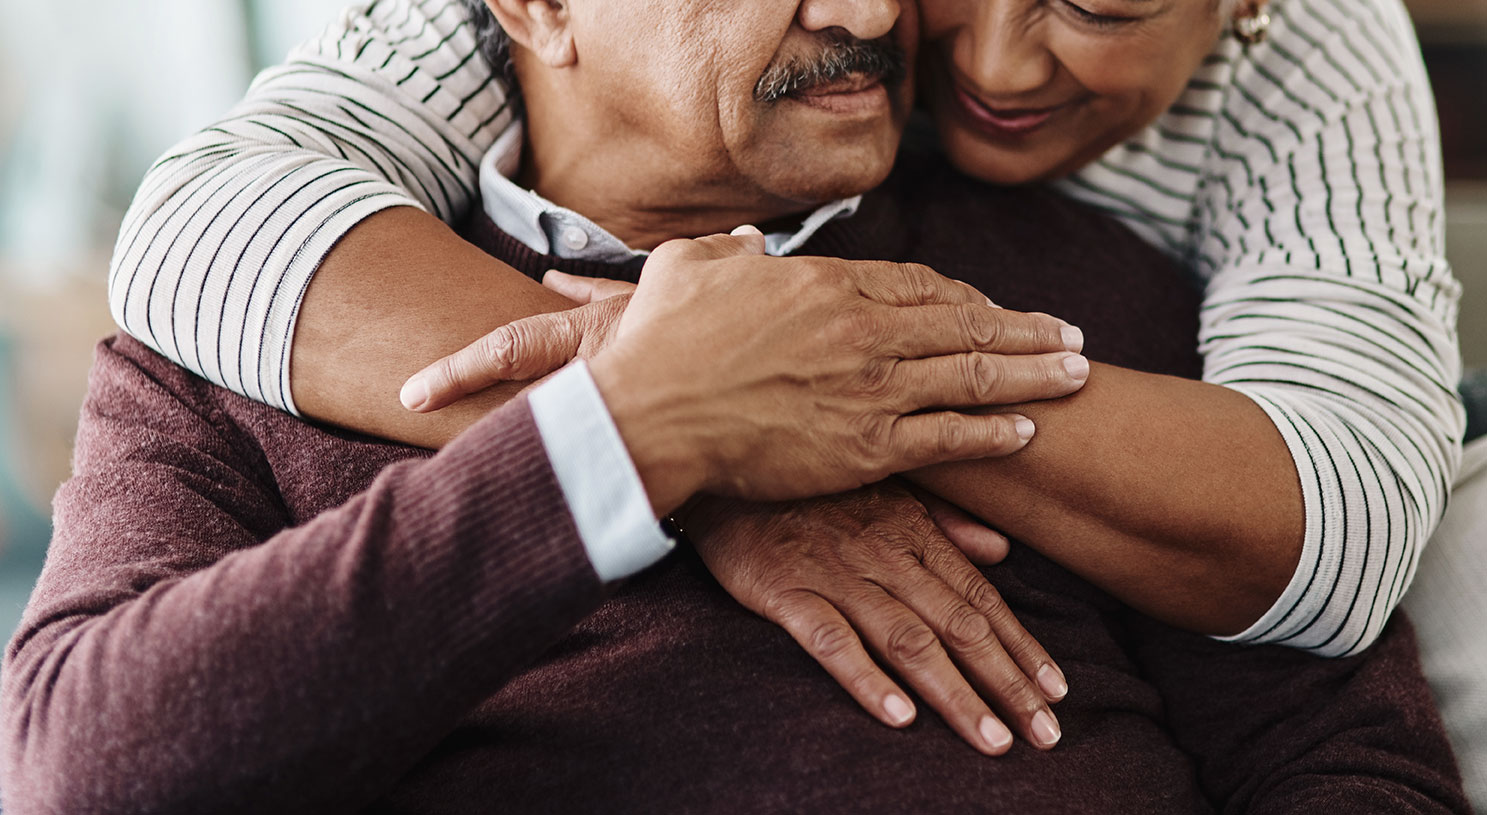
x,y
831,165
834,181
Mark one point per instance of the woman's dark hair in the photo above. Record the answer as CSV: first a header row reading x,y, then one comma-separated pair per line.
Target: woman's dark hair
x,y
494,44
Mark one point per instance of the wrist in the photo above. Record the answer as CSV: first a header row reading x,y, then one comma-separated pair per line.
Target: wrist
x,y
671,462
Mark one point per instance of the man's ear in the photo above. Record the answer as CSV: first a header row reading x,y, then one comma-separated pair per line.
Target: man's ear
x,y
542,27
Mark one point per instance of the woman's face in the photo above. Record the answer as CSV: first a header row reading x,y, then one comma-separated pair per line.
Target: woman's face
x,y
1024,90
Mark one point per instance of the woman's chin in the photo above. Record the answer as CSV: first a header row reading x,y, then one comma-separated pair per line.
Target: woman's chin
x,y
1003,168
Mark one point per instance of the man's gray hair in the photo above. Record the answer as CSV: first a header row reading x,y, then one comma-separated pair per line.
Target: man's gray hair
x,y
495,46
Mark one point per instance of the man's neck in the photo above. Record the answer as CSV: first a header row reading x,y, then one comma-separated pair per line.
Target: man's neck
x,y
635,192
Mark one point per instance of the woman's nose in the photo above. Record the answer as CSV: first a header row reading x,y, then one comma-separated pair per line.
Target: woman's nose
x,y
1009,57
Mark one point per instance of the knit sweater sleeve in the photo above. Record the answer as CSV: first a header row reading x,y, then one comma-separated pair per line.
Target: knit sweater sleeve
x,y
392,106
184,652
1331,304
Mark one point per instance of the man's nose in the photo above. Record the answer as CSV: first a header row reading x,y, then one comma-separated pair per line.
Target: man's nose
x,y
863,19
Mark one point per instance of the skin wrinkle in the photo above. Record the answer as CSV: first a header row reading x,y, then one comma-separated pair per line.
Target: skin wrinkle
x,y
840,58
1107,82
1003,488
669,92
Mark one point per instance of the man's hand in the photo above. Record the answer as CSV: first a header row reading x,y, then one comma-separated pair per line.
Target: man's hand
x,y
872,571
778,378
526,349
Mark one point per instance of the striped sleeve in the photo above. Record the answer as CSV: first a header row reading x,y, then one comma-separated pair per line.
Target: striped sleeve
x,y
1331,305
392,106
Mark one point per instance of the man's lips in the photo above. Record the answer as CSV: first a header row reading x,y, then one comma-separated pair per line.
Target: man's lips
x,y
1002,121
851,84
855,94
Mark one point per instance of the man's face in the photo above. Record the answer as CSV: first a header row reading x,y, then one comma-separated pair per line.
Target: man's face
x,y
797,100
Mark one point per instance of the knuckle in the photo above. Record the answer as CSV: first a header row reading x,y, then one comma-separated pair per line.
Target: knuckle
x,y
501,349
900,549
913,643
783,608
919,282
983,373
864,679
830,640
1001,434
918,523
1016,693
871,439
983,327
953,434
967,629
985,597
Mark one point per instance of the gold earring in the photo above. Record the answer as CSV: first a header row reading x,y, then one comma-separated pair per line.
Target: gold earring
x,y
1253,25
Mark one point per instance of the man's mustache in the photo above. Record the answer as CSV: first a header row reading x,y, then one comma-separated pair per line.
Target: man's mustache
x,y
840,58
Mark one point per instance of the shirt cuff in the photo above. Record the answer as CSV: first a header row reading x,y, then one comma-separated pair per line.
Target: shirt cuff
x,y
599,481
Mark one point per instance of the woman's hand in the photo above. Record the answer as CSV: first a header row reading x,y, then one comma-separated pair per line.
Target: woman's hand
x,y
773,379
526,349
874,571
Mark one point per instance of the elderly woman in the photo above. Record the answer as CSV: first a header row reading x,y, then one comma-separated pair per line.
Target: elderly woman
x,y
1285,152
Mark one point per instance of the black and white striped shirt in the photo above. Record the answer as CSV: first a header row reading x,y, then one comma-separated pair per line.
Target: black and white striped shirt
x,y
1300,180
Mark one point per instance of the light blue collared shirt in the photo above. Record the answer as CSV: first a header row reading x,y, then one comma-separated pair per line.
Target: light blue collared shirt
x,y
549,229
594,469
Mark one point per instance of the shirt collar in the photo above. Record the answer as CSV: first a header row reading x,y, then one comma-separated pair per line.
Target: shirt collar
x,y
549,229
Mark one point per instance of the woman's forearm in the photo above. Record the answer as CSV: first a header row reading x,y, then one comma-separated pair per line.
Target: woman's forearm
x,y
399,291
1178,497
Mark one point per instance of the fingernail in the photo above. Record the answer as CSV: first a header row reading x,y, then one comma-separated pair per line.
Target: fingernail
x,y
1025,428
1052,681
989,302
1077,366
746,229
995,733
415,393
1045,729
1073,338
898,709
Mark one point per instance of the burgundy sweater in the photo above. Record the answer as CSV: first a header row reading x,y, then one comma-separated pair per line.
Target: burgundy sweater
x,y
242,612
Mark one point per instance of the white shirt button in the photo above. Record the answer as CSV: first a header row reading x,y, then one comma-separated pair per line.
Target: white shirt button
x,y
574,239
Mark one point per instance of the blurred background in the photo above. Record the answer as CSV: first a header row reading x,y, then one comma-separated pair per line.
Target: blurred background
x,y
92,92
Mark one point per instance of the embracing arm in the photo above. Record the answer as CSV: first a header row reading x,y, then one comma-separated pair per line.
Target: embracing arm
x,y
1331,308
1178,497
371,318
1193,549
176,607
391,107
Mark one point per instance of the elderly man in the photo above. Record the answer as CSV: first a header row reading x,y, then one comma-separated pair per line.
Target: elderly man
x,y
335,693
